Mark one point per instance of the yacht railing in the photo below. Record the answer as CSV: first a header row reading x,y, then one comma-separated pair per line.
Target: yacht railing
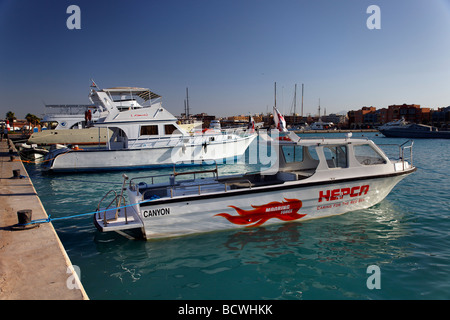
x,y
70,109
174,140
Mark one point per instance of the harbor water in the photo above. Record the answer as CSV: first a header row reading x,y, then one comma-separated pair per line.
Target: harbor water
x,y
406,238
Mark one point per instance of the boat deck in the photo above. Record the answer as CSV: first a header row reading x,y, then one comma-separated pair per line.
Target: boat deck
x,y
107,220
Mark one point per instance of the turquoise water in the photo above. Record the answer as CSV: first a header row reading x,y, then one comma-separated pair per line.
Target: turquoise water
x,y
407,236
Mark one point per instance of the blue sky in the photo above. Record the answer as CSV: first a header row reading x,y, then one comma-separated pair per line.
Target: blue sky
x,y
228,53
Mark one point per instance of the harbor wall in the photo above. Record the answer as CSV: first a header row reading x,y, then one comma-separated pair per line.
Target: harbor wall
x,y
33,262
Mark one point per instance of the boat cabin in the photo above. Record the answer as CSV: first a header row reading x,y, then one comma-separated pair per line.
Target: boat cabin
x,y
136,117
301,161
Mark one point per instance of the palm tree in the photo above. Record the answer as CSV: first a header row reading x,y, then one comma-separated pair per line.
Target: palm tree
x,y
32,119
10,116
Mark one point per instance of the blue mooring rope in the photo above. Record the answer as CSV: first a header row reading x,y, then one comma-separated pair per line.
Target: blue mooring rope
x,y
49,219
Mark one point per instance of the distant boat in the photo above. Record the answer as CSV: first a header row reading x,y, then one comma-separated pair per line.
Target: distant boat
x,y
322,126
403,129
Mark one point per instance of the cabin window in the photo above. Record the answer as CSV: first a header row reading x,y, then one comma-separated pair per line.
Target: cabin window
x,y
169,128
336,156
313,153
292,153
149,130
366,155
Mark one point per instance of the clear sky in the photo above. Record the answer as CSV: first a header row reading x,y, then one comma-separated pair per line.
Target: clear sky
x,y
228,53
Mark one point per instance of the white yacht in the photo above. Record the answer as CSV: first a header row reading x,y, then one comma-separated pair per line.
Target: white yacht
x,y
143,135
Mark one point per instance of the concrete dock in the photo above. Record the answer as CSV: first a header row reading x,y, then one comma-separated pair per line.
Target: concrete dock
x,y
33,262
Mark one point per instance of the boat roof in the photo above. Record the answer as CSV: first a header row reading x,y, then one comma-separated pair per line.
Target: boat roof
x,y
143,93
299,140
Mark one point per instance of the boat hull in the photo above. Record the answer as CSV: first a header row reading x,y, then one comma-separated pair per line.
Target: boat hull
x,y
103,159
260,206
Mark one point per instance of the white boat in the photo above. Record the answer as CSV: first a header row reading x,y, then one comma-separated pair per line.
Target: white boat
x,y
315,178
73,126
69,116
145,136
320,125
31,153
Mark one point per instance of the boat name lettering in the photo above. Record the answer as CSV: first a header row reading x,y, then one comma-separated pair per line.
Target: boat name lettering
x,y
139,115
282,209
156,212
335,194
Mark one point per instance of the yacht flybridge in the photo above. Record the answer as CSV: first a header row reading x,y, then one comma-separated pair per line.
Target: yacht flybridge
x,y
312,178
143,134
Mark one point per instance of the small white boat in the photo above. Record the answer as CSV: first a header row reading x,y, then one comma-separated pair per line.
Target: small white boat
x,y
315,178
31,152
320,125
145,136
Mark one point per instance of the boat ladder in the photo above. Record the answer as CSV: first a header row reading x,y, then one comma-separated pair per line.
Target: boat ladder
x,y
118,198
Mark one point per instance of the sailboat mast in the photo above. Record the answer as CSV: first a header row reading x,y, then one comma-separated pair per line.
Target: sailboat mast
x,y
295,99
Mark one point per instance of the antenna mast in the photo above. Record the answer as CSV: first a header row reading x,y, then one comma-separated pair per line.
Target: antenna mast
x,y
275,94
186,103
319,108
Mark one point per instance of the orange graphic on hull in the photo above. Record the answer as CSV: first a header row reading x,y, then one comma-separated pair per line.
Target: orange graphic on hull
x,y
285,211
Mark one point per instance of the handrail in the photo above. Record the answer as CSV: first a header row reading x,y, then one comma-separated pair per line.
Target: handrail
x,y
101,200
215,171
410,147
173,188
118,199
401,150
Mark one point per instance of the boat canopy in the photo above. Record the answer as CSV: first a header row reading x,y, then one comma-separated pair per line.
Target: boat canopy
x,y
143,93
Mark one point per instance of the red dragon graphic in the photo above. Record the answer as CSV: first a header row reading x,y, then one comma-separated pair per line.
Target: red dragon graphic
x,y
285,211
